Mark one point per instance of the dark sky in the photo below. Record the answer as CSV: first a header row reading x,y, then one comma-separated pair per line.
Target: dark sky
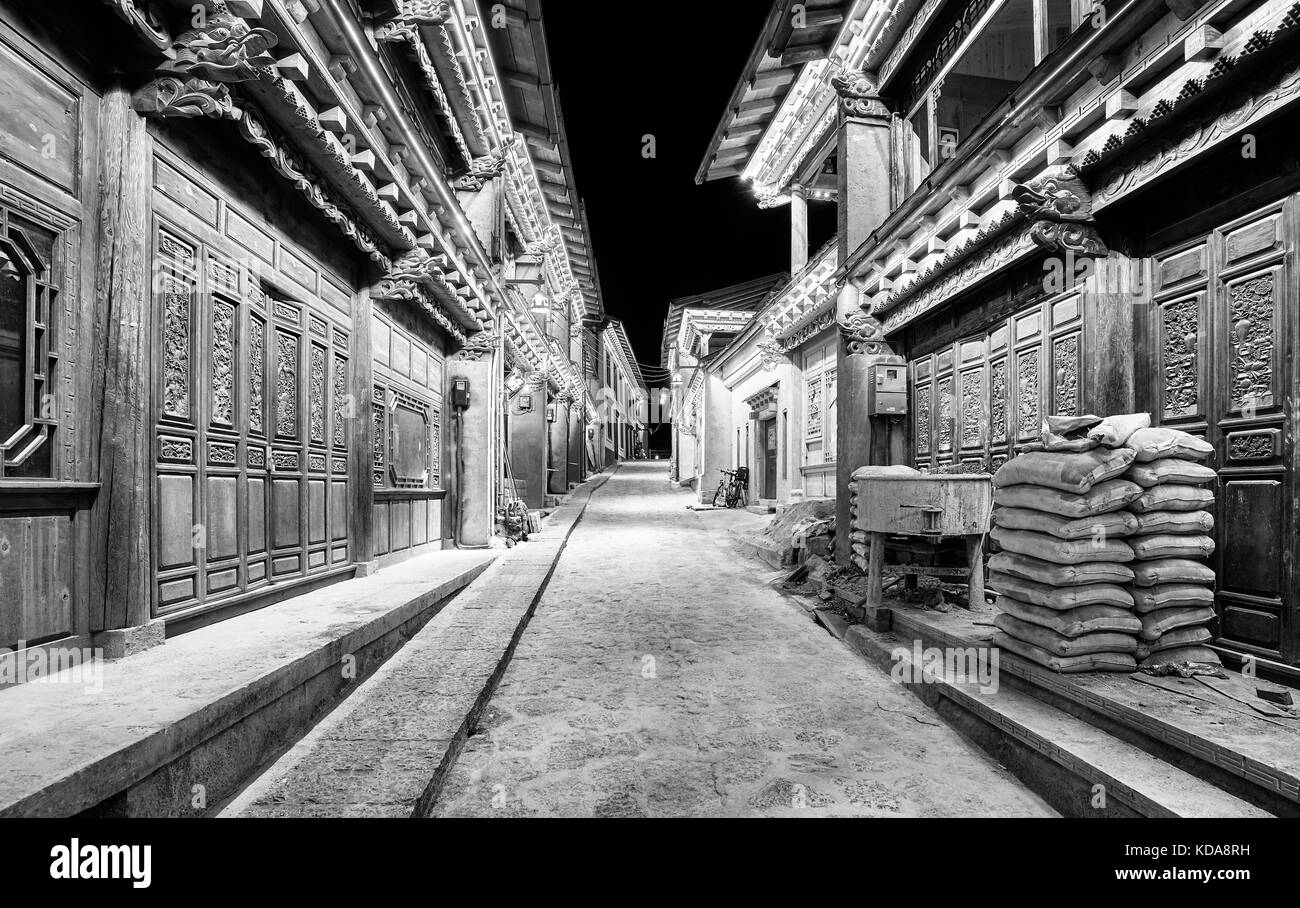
x,y
625,68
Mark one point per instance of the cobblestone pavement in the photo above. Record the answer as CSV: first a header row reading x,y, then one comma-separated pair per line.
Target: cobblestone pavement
x,y
661,677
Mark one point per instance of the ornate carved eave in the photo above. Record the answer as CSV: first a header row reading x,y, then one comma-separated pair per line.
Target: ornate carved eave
x,y
291,165
1204,112
1011,247
1264,48
285,104
409,290
807,330
418,275
806,298
406,29
975,247
196,82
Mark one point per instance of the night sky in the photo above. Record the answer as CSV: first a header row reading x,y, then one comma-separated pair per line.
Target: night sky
x,y
624,69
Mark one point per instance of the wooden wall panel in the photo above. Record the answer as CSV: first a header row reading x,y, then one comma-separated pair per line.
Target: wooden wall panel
x,y
254,377
1223,327
36,571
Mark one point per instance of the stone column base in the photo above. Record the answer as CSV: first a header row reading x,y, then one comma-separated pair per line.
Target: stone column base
x,y
366,568
127,641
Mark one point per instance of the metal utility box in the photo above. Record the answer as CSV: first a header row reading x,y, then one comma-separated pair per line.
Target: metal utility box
x,y
887,389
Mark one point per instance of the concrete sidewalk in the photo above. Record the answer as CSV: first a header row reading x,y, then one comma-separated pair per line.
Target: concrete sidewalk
x,y
386,750
179,727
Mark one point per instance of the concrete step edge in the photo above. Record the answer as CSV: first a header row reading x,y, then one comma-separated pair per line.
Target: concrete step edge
x,y
1026,719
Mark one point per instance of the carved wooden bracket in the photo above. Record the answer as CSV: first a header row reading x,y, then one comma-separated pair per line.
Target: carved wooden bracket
x,y
862,333
478,346
858,94
411,14
144,17
1060,207
203,60
485,168
535,381
771,353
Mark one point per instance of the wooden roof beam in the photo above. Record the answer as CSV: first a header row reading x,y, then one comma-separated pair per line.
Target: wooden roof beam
x,y
801,55
521,80
761,107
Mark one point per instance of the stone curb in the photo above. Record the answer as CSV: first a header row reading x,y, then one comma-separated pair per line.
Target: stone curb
x,y
386,751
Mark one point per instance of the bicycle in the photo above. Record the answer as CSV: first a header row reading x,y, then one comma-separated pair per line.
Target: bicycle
x,y
731,488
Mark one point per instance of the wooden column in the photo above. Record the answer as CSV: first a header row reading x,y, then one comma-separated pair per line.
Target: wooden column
x,y
471,458
361,431
1113,293
798,228
121,589
864,203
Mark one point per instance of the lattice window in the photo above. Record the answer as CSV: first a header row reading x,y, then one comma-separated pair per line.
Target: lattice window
x,y
28,357
407,440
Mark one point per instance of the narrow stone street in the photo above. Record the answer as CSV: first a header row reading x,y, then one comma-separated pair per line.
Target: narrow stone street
x,y
661,677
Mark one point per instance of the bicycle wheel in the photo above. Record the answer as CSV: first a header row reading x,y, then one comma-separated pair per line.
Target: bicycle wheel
x,y
733,496
720,496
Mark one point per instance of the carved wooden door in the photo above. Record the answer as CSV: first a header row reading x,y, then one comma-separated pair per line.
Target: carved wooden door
x,y
1223,324
252,463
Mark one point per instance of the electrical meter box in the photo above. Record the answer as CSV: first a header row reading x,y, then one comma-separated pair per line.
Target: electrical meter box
x,y
887,389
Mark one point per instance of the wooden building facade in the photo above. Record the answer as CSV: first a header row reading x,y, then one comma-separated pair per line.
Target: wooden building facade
x,y
1056,208
253,253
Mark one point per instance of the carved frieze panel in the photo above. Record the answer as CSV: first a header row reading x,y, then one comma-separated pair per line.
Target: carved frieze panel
x,y
316,395
340,401
286,386
922,408
1065,366
1180,342
176,449
177,301
828,399
813,408
944,416
998,402
1264,444
1027,394
256,374
223,363
1251,307
379,461
972,408
222,454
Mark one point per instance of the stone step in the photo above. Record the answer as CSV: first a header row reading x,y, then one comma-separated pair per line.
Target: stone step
x,y
1077,767
1225,743
178,728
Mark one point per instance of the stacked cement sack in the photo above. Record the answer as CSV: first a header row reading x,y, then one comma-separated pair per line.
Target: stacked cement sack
x,y
1063,574
1173,592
